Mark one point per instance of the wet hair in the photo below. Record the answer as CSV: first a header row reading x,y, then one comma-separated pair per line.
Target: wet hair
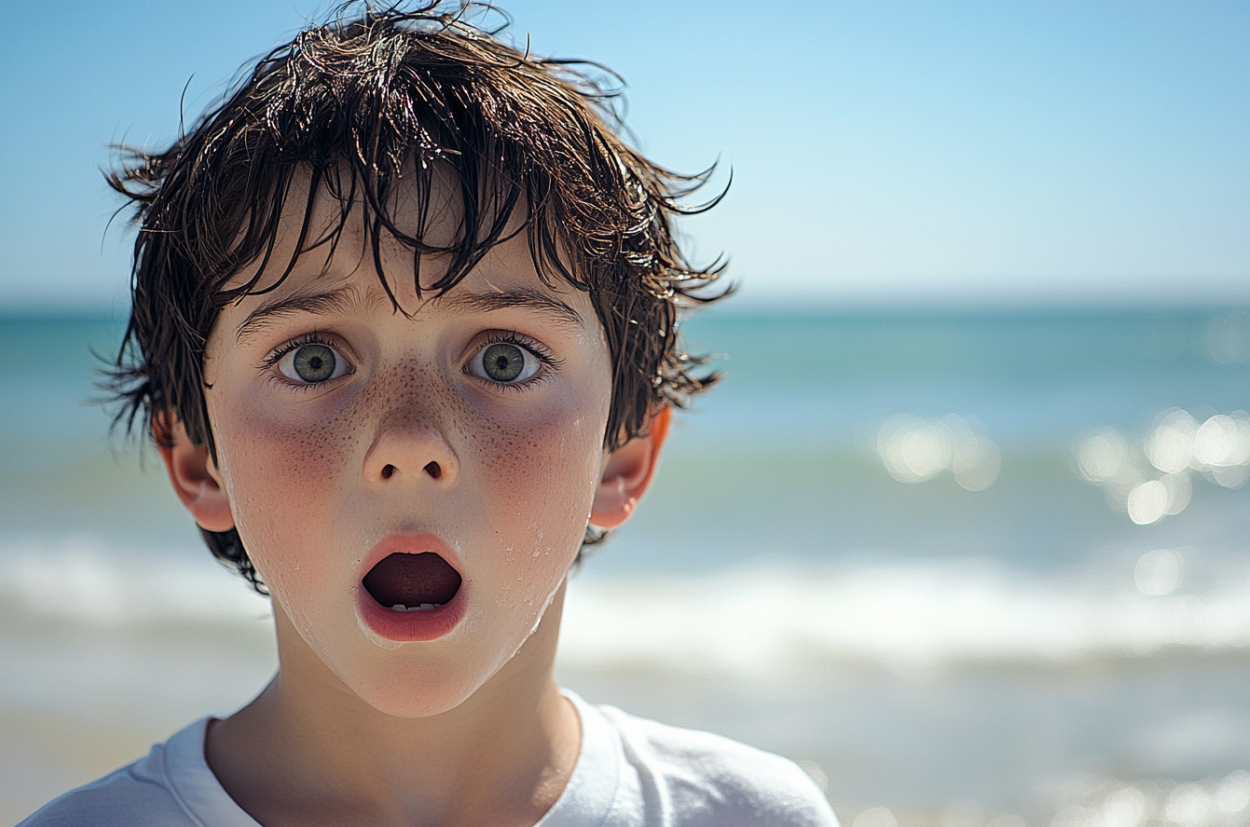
x,y
382,99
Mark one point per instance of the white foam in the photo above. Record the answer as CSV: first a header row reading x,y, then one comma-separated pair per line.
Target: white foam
x,y
765,619
81,579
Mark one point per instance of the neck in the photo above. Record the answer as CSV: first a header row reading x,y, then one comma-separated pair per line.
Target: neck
x,y
309,751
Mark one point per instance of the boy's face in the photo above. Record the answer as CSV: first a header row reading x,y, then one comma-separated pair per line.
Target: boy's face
x,y
347,433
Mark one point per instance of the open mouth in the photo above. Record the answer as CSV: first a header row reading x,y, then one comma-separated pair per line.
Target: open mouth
x,y
412,582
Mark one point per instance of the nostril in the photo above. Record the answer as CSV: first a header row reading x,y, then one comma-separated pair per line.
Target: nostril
x,y
431,468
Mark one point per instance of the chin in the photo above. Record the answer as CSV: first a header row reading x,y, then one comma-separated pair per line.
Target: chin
x,y
419,689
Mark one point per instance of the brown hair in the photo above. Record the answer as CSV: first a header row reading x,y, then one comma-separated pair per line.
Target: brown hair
x,y
362,103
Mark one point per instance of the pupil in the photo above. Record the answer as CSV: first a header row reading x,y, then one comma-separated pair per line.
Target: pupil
x,y
503,362
314,363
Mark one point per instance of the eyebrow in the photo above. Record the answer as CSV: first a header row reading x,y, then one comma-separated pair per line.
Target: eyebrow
x,y
526,298
336,301
333,301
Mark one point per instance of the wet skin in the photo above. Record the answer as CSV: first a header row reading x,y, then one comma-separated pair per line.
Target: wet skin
x,y
471,425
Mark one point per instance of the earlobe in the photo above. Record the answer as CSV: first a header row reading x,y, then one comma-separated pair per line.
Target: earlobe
x,y
193,474
627,474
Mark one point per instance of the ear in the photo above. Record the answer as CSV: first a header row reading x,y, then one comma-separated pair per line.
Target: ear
x,y
193,474
627,474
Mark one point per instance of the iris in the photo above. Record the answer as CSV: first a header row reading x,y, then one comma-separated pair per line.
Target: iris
x,y
314,363
503,362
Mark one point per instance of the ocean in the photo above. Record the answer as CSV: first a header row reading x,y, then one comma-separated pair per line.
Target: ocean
x,y
970,568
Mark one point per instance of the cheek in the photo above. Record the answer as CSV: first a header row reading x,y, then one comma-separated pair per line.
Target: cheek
x,y
276,473
545,462
539,476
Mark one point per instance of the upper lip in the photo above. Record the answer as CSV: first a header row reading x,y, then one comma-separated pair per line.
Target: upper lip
x,y
414,542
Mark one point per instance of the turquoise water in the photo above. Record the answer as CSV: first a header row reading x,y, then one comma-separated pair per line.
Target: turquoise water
x,y
811,573
786,439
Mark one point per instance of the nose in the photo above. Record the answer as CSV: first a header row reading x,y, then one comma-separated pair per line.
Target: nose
x,y
410,445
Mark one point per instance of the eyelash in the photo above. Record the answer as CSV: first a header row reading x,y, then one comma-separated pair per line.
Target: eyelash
x,y
541,353
313,338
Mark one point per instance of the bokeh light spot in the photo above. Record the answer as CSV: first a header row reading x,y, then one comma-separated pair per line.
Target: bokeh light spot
x,y
875,817
914,449
1158,572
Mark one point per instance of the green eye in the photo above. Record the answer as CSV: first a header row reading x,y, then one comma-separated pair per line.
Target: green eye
x,y
504,363
312,364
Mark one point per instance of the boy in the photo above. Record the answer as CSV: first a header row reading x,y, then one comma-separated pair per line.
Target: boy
x,y
403,332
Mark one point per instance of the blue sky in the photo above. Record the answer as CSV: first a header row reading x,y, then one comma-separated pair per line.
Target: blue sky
x,y
886,152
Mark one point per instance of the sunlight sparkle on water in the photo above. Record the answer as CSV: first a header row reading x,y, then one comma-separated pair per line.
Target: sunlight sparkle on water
x,y
1227,338
914,449
1233,794
1126,807
1211,803
875,817
1158,572
1152,478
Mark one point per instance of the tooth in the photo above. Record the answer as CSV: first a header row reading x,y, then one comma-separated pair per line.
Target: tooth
x,y
399,607
427,606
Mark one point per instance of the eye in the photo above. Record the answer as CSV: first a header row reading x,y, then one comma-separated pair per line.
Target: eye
x,y
312,363
505,362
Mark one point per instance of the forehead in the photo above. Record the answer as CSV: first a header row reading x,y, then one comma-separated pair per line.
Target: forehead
x,y
421,230
324,258
325,221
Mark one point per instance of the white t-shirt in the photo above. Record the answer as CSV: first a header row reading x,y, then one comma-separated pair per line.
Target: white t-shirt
x,y
631,773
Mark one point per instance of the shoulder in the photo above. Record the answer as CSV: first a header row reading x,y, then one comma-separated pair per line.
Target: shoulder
x,y
143,794
129,796
701,778
122,797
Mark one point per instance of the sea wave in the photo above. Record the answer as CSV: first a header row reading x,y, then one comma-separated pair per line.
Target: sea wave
x,y
764,618
768,617
82,579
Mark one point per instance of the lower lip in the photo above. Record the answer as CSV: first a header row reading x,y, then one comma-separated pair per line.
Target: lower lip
x,y
428,624
422,625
